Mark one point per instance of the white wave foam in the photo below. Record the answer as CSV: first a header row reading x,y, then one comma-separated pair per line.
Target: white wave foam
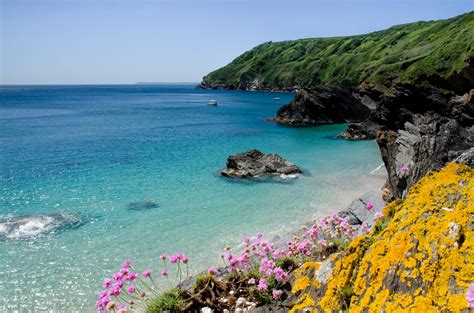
x,y
34,225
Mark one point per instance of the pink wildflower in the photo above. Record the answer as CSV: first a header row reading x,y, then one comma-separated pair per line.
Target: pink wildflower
x,y
175,258
163,256
246,240
146,273
251,281
470,296
262,285
131,277
164,273
118,284
107,283
276,294
126,264
280,275
184,258
259,235
131,289
378,215
370,206
213,271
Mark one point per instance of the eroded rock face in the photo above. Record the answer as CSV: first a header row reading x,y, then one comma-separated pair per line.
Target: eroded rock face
x,y
417,130
322,105
255,163
419,258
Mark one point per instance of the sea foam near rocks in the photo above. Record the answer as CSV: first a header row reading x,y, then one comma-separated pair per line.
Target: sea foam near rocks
x,y
30,226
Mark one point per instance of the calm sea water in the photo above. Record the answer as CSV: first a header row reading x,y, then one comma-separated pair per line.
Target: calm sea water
x,y
93,151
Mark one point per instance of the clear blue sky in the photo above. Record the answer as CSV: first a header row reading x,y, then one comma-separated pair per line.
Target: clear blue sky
x,y
125,41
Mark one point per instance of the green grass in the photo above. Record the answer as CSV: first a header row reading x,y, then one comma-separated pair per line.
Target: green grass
x,y
170,301
406,53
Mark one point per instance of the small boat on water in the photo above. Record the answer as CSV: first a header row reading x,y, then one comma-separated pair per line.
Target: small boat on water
x,y
276,99
212,102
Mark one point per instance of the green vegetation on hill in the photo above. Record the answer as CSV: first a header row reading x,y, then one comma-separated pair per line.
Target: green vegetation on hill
x,y
403,53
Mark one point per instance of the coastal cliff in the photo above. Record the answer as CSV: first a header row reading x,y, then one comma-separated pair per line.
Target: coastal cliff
x,y
419,53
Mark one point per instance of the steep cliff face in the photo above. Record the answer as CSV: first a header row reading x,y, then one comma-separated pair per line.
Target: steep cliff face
x,y
323,105
420,257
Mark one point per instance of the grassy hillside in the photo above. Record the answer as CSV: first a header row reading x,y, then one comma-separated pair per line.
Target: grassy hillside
x,y
403,53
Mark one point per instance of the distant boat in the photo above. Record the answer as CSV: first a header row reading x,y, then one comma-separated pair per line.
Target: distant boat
x,y
276,99
212,102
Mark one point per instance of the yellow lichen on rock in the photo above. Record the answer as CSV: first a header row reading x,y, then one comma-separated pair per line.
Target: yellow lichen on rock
x,y
422,261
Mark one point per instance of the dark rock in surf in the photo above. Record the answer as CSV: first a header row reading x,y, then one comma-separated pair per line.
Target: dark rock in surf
x,y
254,163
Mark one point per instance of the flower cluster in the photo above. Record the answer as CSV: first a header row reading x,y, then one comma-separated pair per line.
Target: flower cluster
x,y
128,289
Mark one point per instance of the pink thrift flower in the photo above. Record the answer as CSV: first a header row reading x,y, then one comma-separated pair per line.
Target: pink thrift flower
x,y
118,284
164,273
251,281
163,256
131,289
107,283
378,215
213,271
146,273
276,294
262,285
184,258
246,241
174,258
370,206
126,264
470,296
259,235
117,276
131,277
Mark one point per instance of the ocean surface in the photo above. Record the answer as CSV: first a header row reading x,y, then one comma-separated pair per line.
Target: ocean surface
x,y
91,175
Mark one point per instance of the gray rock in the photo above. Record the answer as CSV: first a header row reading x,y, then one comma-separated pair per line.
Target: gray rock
x,y
357,212
254,163
322,105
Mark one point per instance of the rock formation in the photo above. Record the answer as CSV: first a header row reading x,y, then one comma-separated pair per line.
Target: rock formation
x,y
322,105
254,163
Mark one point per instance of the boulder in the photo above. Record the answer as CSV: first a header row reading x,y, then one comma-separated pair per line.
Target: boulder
x,y
254,163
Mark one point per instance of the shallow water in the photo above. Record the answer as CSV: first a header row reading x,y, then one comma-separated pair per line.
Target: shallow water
x,y
97,151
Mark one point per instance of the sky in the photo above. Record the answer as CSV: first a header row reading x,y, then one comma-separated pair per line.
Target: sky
x,y
128,41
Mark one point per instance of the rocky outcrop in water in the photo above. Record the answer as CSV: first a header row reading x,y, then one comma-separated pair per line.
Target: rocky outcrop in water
x,y
254,163
322,105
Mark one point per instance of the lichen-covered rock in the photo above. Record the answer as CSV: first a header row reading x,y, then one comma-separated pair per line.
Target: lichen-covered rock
x,y
419,259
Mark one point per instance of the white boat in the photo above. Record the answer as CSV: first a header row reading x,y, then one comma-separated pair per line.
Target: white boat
x,y
276,99
212,102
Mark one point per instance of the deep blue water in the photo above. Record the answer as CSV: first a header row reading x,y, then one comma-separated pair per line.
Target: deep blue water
x,y
137,166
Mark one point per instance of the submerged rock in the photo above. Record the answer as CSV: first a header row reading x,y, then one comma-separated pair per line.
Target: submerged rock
x,y
254,163
142,205
30,226
322,105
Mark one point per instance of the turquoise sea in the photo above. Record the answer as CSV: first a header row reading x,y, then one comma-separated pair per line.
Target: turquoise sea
x,y
133,172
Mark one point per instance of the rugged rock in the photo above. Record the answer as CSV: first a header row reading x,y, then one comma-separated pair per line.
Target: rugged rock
x,y
254,163
357,212
417,130
322,105
418,258
424,145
